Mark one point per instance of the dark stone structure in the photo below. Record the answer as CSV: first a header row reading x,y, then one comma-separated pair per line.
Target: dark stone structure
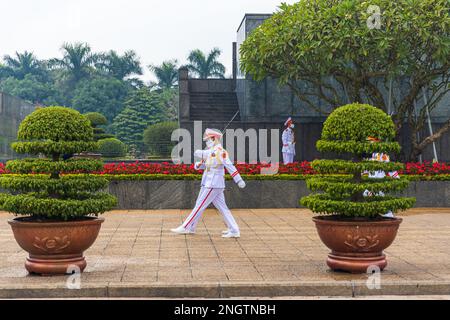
x,y
265,105
258,194
12,111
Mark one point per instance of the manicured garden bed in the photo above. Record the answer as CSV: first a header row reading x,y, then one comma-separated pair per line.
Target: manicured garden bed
x,y
168,186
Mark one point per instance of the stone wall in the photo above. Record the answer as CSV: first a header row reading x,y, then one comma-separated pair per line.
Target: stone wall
x,y
12,111
258,194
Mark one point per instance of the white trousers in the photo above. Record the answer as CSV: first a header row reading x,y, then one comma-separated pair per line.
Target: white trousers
x,y
205,197
288,158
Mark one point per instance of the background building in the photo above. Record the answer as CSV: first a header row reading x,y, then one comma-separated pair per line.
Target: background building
x,y
266,105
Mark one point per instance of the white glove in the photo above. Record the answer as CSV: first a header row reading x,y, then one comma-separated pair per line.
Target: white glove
x,y
241,184
197,165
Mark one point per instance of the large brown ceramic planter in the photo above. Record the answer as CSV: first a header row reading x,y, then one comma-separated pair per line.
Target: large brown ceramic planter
x,y
356,245
55,247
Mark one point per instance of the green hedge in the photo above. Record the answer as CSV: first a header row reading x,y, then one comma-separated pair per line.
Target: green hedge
x,y
50,208
134,177
374,206
357,147
342,166
63,185
54,147
47,165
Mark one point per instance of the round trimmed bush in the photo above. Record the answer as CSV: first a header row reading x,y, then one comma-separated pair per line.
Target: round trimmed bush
x,y
54,131
42,188
112,148
56,124
157,138
347,130
96,119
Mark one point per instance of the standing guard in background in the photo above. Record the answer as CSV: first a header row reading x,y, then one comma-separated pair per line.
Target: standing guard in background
x,y
214,161
288,139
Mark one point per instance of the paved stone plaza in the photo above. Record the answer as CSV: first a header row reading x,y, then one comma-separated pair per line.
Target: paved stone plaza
x,y
279,254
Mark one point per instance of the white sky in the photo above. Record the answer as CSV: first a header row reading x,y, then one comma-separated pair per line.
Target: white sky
x,y
157,30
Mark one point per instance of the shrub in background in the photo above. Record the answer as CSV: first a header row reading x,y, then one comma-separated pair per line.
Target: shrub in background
x,y
157,138
112,148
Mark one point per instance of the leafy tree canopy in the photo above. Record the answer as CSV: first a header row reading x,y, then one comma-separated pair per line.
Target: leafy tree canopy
x,y
206,66
142,108
101,94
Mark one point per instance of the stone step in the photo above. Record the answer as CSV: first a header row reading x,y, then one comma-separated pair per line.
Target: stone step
x,y
224,289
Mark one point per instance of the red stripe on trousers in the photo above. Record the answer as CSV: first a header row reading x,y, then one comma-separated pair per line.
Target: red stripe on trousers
x,y
204,200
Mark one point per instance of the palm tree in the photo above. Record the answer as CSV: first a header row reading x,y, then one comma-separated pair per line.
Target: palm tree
x,y
77,60
22,64
166,74
120,67
206,67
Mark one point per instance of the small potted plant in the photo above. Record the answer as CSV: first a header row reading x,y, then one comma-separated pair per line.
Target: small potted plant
x,y
352,224
57,210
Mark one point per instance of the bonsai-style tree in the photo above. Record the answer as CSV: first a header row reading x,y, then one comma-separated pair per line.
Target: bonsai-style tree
x,y
41,188
97,121
345,132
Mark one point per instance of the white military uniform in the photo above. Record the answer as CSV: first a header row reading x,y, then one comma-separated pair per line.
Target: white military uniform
x,y
214,162
380,157
288,150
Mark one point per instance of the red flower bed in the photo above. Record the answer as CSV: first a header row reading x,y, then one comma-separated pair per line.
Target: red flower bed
x,y
168,168
426,168
2,168
300,168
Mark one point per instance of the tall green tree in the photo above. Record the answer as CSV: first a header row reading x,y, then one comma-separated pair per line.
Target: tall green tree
x,y
166,74
206,66
142,108
22,64
348,51
77,61
170,100
120,66
31,88
101,94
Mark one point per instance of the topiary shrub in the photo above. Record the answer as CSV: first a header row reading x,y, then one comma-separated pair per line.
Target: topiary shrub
x,y
39,188
112,148
97,120
346,131
157,138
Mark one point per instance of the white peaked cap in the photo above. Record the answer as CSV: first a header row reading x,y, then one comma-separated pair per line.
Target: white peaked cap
x,y
212,133
287,121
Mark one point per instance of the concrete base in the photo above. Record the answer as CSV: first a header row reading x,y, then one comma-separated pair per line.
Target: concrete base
x,y
173,194
227,290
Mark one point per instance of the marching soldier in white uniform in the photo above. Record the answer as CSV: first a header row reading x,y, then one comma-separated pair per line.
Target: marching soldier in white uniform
x,y
288,140
213,161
